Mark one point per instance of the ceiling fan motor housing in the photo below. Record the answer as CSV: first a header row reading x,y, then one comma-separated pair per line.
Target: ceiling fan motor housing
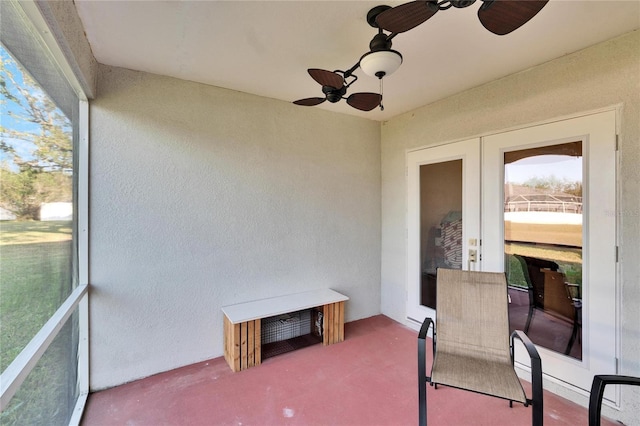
x,y
334,95
380,42
461,3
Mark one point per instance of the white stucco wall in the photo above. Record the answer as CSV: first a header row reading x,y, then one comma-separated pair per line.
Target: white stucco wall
x,y
603,75
203,197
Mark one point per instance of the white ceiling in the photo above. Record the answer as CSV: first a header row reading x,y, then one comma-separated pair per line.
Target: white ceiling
x,y
265,47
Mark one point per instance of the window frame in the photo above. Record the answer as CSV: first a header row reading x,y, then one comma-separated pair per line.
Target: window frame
x,y
14,375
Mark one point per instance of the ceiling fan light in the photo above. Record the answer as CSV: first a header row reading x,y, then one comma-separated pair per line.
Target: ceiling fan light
x,y
380,63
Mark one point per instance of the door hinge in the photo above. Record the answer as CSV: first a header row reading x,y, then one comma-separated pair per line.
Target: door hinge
x,y
617,142
617,253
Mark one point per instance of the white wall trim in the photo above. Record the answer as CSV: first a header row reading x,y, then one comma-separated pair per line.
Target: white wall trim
x,y
615,107
34,15
83,260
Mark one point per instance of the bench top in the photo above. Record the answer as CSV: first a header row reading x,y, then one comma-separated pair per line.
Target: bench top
x,y
249,311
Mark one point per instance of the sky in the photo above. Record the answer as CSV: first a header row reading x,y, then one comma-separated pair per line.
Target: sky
x,y
23,148
563,167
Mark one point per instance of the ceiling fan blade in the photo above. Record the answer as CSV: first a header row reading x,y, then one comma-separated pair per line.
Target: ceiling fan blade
x,y
364,101
406,16
310,101
326,78
504,16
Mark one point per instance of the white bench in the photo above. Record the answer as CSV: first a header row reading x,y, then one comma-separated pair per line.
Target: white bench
x,y
242,322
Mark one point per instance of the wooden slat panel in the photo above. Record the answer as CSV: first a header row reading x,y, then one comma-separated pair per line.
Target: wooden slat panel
x,y
235,346
341,322
250,343
325,330
343,316
329,322
336,322
227,339
243,346
258,342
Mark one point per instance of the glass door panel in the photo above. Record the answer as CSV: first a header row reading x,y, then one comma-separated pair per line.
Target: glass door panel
x,y
543,244
443,216
440,223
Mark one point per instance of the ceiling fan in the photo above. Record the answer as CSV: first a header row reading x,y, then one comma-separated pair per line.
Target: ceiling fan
x,y
334,87
498,16
381,60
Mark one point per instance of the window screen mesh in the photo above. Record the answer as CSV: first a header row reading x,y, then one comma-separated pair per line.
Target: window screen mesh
x,y
38,269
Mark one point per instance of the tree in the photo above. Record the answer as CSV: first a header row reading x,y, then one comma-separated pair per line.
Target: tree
x,y
553,184
36,144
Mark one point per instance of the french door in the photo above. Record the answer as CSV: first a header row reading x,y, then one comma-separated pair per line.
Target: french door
x,y
539,204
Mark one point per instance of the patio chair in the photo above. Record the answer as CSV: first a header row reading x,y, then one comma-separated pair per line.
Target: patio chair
x,y
597,392
550,292
471,345
533,275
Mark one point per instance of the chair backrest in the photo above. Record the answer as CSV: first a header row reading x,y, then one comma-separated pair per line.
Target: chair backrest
x,y
556,296
547,289
473,310
532,271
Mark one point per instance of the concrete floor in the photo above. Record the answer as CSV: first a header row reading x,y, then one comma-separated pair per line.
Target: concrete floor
x,y
369,379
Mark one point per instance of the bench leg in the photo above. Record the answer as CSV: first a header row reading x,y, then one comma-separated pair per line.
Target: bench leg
x,y
242,344
333,318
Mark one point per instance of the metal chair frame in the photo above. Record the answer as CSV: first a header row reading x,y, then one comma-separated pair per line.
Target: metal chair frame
x,y
597,393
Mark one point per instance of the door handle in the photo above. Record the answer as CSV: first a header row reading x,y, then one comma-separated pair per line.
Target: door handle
x,y
473,258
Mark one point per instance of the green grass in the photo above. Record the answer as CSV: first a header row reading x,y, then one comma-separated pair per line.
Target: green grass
x,y
30,232
568,259
35,278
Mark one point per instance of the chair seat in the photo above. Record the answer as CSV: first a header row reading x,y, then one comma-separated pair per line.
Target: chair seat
x,y
461,371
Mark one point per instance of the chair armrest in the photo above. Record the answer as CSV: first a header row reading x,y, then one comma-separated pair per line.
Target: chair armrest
x,y
528,345
422,369
597,392
536,373
428,322
422,355
422,335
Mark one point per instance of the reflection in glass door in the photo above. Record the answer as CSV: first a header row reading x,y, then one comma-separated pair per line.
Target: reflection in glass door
x,y
440,223
543,244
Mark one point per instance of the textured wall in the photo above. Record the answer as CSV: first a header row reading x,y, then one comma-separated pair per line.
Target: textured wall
x,y
202,197
600,76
